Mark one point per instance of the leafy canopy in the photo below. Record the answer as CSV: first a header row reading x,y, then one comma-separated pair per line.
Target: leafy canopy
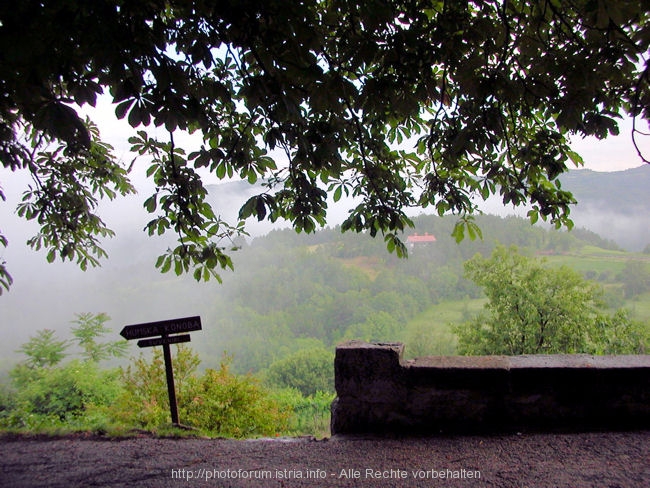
x,y
45,350
398,104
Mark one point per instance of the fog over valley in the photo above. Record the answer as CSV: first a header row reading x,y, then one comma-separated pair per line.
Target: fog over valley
x,y
130,290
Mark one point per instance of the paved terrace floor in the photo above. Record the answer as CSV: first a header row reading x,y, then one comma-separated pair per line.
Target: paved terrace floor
x,y
611,459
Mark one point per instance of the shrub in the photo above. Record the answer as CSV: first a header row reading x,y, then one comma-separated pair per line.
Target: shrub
x,y
311,414
233,406
59,396
308,370
218,402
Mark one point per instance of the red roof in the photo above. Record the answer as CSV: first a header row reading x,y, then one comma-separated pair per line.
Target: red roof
x,y
425,238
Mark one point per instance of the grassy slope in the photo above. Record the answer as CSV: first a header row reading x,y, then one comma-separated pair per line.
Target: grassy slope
x,y
601,261
429,333
592,258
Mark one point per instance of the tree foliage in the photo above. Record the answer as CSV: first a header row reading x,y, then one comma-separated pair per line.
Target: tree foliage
x,y
395,103
47,393
535,309
44,349
635,277
89,328
63,395
308,370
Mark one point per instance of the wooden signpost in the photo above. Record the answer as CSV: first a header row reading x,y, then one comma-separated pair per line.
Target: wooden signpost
x,y
168,331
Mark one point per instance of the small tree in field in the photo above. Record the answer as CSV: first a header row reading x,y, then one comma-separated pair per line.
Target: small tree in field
x,y
535,309
89,328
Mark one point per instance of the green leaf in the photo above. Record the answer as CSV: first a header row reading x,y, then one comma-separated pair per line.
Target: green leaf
x,y
166,264
248,208
151,203
575,158
390,242
474,231
178,266
459,231
123,107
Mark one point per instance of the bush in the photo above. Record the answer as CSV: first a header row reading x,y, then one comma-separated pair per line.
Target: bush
x,y
218,403
58,396
47,395
233,406
308,370
311,414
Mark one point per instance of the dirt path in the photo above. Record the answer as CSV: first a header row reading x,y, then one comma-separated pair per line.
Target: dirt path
x,y
530,460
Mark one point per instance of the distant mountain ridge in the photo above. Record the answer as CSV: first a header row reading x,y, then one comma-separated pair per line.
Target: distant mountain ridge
x,y
626,191
615,205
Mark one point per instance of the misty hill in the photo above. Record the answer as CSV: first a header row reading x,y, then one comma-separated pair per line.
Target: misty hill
x,y
290,291
625,191
615,205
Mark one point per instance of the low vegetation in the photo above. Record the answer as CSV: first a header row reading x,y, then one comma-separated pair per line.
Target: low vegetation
x,y
49,396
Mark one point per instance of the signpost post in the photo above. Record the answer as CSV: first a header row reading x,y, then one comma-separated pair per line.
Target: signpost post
x,y
166,330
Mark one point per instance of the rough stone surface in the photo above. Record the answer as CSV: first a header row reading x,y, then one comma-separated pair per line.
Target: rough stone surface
x,y
379,393
578,460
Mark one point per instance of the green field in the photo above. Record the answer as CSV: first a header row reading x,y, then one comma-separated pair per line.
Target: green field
x,y
597,260
640,308
429,333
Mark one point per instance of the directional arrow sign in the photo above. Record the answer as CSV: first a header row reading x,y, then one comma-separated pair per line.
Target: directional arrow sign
x,y
159,341
165,327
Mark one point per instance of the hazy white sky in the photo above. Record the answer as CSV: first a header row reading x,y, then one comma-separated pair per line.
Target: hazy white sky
x,y
612,154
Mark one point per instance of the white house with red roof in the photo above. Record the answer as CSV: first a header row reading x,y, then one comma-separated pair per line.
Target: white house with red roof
x,y
420,240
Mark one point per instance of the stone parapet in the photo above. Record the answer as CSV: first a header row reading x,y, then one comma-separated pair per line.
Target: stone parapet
x,y
380,393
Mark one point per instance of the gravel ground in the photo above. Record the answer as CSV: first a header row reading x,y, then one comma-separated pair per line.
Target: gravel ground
x,y
613,459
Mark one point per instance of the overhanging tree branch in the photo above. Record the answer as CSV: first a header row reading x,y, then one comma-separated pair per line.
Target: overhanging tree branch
x,y
491,89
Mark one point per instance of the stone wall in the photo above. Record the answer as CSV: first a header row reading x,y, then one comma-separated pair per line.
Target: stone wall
x,y
380,393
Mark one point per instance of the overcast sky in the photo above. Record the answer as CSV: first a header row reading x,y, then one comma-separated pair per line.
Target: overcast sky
x,y
612,154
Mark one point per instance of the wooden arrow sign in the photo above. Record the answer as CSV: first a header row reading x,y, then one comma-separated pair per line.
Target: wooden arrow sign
x,y
159,341
165,327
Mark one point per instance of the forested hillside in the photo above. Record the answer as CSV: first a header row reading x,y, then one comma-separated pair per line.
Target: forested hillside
x,y
294,291
292,298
